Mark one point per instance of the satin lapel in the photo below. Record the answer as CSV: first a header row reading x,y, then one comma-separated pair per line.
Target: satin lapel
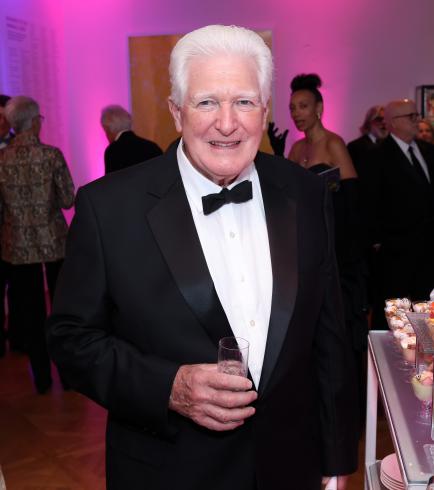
x,y
174,230
280,211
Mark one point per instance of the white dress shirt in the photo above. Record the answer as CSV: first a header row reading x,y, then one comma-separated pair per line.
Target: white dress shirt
x,y
405,146
234,240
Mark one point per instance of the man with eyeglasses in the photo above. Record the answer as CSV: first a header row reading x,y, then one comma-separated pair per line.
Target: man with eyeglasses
x,y
373,131
399,194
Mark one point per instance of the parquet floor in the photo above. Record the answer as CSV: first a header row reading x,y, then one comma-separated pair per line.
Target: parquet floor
x,y
56,441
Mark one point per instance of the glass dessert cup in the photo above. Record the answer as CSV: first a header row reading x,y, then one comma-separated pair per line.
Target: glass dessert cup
x,y
423,392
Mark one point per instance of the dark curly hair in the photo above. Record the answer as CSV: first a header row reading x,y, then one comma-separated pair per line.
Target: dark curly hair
x,y
310,81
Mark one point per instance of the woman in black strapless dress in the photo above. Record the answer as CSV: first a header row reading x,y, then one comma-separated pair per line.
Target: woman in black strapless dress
x,y
325,153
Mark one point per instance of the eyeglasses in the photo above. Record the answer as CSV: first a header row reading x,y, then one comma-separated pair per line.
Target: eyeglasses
x,y
413,116
378,119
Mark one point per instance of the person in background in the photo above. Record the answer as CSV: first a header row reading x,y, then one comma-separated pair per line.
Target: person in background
x,y
125,148
213,239
322,151
399,205
5,138
425,131
6,134
373,131
35,184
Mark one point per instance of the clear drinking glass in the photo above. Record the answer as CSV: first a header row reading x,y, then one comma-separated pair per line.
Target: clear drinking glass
x,y
233,356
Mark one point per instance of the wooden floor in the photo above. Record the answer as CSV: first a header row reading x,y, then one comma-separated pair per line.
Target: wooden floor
x,y
56,441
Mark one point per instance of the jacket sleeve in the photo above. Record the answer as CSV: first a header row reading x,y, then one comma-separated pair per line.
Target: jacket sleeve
x,y
63,182
133,386
336,371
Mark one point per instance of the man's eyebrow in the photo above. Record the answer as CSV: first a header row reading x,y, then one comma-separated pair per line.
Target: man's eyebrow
x,y
240,95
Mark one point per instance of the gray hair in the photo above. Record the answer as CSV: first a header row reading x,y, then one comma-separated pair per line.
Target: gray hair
x,y
218,39
372,113
20,112
115,118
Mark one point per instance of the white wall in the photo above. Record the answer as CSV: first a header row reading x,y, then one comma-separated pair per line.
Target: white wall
x,y
366,51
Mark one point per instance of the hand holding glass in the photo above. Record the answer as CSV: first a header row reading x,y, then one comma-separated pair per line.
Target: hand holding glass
x,y
233,356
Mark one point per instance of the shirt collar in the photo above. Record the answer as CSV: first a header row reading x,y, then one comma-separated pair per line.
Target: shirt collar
x,y
197,185
372,137
402,144
121,133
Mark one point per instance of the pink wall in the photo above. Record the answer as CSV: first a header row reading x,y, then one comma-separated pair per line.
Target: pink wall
x,y
366,51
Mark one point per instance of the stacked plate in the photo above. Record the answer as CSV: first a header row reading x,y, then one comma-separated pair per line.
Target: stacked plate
x,y
390,475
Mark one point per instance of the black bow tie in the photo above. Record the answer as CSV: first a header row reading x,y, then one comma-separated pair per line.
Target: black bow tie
x,y
242,192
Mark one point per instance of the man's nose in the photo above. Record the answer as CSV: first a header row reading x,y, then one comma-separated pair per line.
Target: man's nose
x,y
227,121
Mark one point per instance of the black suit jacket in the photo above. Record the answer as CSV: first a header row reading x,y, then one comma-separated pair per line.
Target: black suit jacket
x,y
359,150
129,149
400,216
135,300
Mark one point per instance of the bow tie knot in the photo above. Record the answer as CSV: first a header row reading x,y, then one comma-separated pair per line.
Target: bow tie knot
x,y
242,192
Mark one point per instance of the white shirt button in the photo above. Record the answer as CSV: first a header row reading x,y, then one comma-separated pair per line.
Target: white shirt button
x,y
252,323
232,234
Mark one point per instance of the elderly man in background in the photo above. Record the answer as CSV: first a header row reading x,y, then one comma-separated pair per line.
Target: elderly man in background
x,y
373,131
35,184
399,201
213,239
125,148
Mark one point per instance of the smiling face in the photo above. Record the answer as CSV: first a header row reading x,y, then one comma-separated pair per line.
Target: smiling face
x,y
304,109
222,117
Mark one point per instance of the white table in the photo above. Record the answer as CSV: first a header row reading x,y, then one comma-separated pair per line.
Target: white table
x,y
412,441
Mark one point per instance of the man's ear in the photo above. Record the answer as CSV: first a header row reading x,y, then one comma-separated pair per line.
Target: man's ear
x,y
175,110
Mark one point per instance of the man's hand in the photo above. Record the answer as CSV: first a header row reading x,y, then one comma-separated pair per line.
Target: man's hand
x,y
342,482
277,140
214,400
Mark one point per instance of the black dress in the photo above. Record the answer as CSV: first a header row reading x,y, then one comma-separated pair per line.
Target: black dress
x,y
349,253
353,269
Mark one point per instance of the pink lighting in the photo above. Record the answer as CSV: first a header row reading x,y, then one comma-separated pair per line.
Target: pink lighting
x,y
361,59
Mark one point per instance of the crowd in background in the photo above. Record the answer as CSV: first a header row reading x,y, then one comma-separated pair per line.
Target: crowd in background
x,y
383,196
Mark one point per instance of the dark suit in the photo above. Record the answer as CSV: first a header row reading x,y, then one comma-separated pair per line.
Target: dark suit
x,y
135,301
359,150
129,149
400,217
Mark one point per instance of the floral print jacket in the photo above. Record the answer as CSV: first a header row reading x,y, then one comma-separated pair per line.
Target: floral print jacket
x,y
35,184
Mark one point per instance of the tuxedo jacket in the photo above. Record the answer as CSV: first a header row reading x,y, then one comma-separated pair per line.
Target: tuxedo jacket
x,y
135,301
129,149
400,215
359,150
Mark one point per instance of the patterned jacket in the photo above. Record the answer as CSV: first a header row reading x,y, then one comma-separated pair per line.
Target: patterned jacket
x,y
35,184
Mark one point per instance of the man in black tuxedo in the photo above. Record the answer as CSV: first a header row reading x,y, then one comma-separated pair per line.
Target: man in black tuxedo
x,y
399,195
125,148
213,239
373,131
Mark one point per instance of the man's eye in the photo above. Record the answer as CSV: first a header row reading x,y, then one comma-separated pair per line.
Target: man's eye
x,y
245,102
206,104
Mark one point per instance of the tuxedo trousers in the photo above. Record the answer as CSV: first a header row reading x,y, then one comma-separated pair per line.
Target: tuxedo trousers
x,y
29,312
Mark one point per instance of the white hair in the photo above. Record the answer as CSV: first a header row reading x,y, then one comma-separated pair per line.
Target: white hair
x,y
217,39
20,112
115,118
